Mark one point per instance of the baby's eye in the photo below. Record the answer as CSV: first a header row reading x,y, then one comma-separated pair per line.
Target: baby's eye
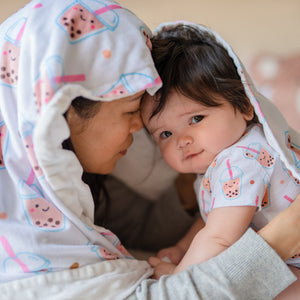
x,y
165,134
197,119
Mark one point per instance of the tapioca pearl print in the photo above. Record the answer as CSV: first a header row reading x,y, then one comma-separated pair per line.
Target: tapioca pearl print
x,y
265,159
248,155
232,194
206,184
297,181
295,150
50,223
44,215
296,256
9,63
292,147
265,201
107,254
71,26
231,188
78,21
9,76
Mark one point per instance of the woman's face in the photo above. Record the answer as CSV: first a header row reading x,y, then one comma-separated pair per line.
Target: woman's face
x,y
99,142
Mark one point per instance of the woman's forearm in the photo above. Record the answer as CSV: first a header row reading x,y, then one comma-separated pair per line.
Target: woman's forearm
x,y
283,232
249,269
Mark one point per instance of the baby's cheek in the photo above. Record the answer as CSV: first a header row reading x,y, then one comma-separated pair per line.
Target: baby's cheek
x,y
169,156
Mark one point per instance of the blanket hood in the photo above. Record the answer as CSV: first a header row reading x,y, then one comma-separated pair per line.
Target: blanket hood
x,y
52,52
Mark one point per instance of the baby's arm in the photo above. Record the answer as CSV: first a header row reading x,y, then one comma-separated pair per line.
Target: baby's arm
x,y
224,226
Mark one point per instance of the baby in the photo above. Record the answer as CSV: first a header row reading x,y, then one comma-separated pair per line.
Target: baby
x,y
205,123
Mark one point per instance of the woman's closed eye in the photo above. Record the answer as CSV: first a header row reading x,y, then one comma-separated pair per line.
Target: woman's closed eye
x,y
196,119
165,134
134,112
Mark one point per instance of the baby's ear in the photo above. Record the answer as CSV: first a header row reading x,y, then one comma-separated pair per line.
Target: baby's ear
x,y
249,115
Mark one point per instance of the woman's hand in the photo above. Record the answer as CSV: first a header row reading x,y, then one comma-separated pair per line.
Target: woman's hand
x,y
282,233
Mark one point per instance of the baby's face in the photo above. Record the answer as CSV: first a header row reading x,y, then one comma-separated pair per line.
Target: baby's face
x,y
189,134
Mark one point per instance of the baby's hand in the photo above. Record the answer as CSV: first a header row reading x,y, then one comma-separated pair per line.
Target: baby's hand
x,y
174,254
160,267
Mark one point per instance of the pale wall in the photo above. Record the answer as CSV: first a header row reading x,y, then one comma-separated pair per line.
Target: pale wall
x,y
248,25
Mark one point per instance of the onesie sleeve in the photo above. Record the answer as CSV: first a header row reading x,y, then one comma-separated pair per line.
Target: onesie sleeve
x,y
237,180
259,274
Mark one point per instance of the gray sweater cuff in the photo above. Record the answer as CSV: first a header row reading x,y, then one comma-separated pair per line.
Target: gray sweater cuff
x,y
254,268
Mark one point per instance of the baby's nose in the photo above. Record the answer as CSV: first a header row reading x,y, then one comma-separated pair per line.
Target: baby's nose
x,y
184,141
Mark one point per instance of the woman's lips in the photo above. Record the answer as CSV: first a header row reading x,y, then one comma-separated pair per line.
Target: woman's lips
x,y
123,152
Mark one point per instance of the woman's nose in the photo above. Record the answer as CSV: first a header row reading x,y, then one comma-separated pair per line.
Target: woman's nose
x,y
136,123
184,141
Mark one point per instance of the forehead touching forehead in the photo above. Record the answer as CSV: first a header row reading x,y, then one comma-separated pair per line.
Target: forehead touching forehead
x,y
148,106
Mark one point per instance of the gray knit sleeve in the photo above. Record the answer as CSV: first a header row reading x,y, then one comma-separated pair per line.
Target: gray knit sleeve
x,y
250,269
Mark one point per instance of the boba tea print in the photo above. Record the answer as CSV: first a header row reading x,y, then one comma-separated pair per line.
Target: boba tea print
x,y
53,51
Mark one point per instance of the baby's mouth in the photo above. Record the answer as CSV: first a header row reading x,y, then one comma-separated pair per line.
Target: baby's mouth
x,y
192,155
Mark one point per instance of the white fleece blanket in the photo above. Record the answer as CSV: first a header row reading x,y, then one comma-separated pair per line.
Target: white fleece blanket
x,y
114,279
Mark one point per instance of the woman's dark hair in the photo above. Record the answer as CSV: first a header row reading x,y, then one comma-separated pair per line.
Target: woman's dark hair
x,y
193,63
87,109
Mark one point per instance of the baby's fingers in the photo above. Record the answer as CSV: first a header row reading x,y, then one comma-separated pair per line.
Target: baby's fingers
x,y
154,261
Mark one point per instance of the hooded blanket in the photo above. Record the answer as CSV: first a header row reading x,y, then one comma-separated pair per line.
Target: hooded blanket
x,y
53,51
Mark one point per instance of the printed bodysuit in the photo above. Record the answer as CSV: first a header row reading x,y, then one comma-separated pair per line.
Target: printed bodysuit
x,y
248,173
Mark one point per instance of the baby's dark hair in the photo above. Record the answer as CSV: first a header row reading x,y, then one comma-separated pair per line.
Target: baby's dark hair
x,y
193,63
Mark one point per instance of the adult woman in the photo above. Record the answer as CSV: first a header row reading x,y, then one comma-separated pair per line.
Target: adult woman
x,y
63,63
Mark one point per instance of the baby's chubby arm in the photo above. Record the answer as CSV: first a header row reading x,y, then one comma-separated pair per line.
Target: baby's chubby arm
x,y
224,226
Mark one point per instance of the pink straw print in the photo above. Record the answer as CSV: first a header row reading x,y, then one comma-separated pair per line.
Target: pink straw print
x,y
105,9
38,5
229,169
213,203
70,78
20,34
288,198
12,254
30,178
